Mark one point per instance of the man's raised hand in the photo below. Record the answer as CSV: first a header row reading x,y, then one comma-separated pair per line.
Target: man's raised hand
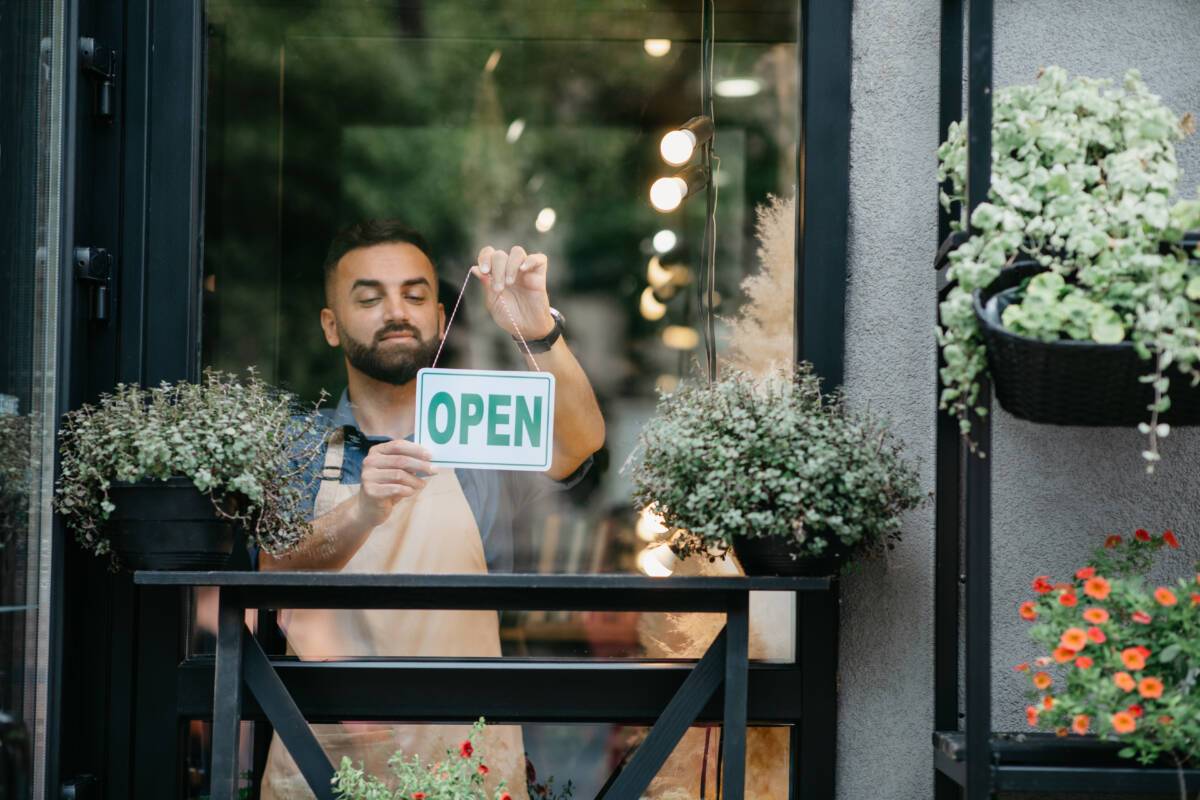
x,y
514,284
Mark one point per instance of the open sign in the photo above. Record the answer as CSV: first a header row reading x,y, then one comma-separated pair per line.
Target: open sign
x,y
482,419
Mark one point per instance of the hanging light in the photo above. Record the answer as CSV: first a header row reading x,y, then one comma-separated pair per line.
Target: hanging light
x,y
665,241
657,275
657,561
650,527
680,337
650,306
678,145
515,129
657,48
545,220
666,194
737,87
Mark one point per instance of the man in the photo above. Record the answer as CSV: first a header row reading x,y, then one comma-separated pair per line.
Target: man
x,y
381,506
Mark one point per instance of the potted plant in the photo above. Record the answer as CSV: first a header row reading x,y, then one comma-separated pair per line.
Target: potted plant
x,y
460,775
792,481
1119,657
160,477
1078,288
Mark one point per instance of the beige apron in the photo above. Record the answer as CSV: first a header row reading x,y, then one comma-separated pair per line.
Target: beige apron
x,y
433,532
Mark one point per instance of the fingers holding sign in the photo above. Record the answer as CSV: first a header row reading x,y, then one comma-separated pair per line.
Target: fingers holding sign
x,y
513,269
391,471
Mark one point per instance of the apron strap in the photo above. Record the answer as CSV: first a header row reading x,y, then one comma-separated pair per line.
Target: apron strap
x,y
335,454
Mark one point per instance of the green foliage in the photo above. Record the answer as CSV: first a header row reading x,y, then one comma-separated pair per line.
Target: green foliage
x,y
770,457
15,444
458,776
230,437
1120,659
1082,178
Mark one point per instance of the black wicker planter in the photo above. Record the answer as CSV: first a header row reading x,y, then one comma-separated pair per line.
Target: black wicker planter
x,y
168,525
1070,382
772,555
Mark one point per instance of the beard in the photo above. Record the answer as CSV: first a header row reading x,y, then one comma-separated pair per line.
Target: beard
x,y
396,364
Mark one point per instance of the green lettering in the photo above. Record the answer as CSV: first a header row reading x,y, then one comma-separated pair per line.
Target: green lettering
x,y
441,435
472,414
495,417
531,422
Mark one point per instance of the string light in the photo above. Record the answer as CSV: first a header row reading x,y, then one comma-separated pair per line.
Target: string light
x,y
650,527
515,129
667,194
737,87
657,561
680,337
545,220
657,48
665,241
678,145
650,306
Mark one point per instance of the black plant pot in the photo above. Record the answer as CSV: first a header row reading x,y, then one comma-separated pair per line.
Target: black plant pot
x,y
772,555
168,525
1070,382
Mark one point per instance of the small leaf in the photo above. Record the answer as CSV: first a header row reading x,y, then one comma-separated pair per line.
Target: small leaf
x,y
1193,288
1126,752
1169,653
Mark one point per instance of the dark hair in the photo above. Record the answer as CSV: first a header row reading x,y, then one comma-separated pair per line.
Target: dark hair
x,y
369,233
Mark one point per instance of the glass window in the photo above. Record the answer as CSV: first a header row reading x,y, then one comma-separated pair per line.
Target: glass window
x,y
30,139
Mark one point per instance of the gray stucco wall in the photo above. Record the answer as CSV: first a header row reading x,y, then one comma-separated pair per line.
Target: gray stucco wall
x,y
1056,490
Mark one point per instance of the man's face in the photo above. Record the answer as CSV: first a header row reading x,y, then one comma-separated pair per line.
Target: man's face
x,y
383,311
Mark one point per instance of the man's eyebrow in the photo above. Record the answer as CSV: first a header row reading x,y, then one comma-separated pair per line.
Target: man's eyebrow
x,y
365,283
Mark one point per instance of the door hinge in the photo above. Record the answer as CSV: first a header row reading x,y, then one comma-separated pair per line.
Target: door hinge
x,y
94,266
100,63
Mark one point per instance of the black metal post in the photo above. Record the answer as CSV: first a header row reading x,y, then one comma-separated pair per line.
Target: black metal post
x,y
948,469
227,699
737,660
814,738
979,478
158,732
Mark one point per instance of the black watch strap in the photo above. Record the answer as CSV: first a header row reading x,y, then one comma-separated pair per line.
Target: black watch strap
x,y
546,342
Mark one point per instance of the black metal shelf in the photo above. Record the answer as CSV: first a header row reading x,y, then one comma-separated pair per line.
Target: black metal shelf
x,y
1042,762
970,759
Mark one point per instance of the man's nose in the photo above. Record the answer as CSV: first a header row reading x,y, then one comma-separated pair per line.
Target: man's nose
x,y
395,310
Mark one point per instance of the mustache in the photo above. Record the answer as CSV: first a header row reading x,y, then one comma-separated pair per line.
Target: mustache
x,y
400,328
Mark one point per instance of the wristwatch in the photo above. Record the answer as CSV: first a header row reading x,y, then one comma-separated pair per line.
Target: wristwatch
x,y
547,341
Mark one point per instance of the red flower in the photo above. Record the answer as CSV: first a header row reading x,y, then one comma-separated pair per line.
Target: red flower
x,y
1096,635
1022,667
465,749
1031,715
1028,610
506,796
1165,596
1136,710
1145,651
483,770
1195,599
1067,599
1142,535
1112,541
418,796
1041,584
1048,702
1084,573
1142,617
1169,538
1083,662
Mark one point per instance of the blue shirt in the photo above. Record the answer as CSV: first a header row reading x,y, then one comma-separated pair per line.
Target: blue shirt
x,y
494,496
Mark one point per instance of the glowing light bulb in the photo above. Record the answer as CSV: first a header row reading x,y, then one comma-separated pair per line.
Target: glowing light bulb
x,y
666,194
650,525
737,87
664,241
650,306
657,561
657,47
515,129
677,147
657,275
545,220
680,337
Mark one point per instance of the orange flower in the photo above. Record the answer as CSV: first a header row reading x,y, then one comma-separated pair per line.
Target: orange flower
x,y
1165,596
1022,667
1060,732
1041,584
1097,587
1150,688
1169,538
1112,541
1132,658
1084,573
1142,535
1047,702
1141,616
1096,616
1097,635
1080,724
1068,599
1123,722
1083,662
1195,599
1124,681
1031,715
1073,639
1028,610
1063,654
1042,680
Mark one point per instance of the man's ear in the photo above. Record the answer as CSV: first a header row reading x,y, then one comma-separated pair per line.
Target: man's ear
x,y
329,327
441,321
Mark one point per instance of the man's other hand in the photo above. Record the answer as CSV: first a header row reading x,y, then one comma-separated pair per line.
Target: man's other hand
x,y
389,474
514,285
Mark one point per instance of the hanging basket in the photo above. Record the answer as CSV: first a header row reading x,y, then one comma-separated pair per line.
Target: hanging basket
x,y
168,525
1070,382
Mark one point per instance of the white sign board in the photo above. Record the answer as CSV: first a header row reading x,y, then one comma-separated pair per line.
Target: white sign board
x,y
481,419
